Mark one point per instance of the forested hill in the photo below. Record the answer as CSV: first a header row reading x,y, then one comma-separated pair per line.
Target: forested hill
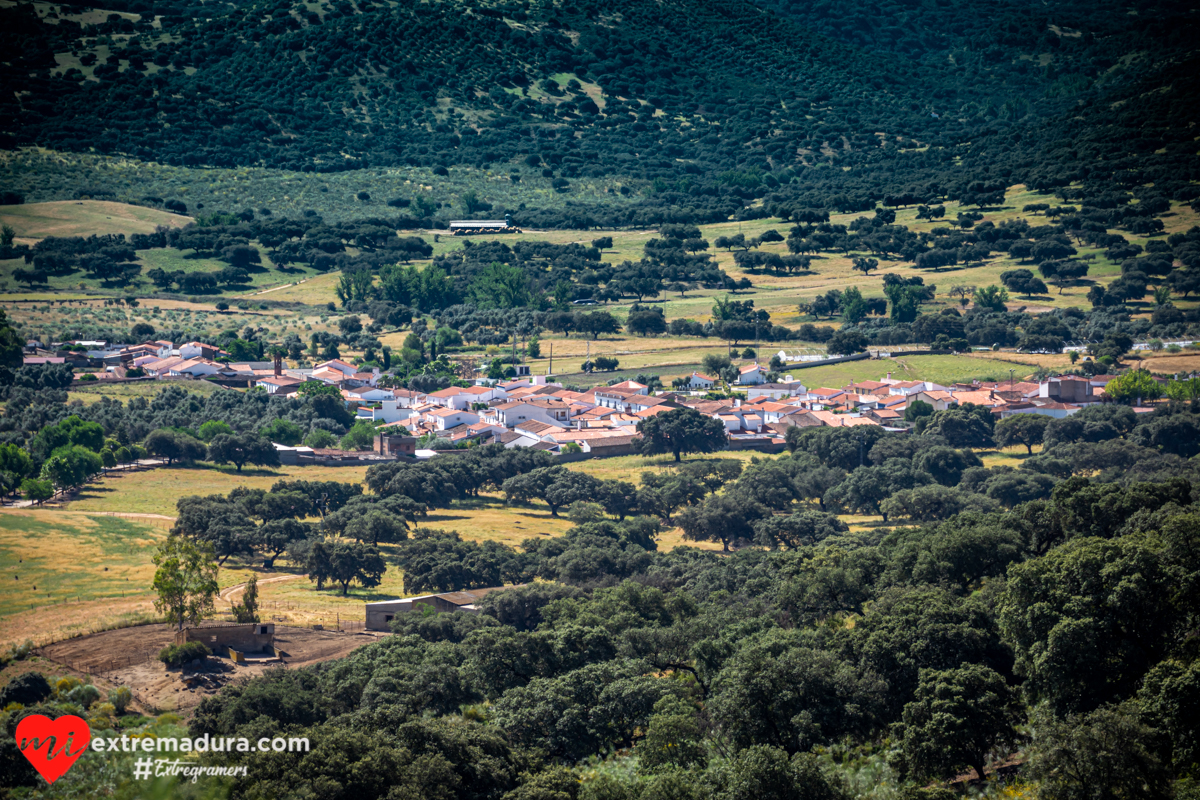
x,y
705,100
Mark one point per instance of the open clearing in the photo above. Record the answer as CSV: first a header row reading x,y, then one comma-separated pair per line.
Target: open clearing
x,y
155,491
77,570
109,653
35,221
66,573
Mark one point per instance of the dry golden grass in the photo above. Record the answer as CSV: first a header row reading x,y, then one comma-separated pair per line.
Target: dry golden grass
x,y
1006,456
67,573
1169,364
34,221
315,290
671,538
1043,360
124,391
297,601
629,468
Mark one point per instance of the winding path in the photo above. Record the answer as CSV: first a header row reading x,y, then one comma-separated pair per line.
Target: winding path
x,y
227,594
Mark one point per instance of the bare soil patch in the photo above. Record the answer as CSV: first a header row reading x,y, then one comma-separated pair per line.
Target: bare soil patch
x,y
107,656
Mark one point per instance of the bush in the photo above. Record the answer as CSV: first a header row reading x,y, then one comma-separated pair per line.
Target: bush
x,y
176,655
84,695
120,698
27,689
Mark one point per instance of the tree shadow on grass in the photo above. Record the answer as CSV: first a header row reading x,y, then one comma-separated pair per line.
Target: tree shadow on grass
x,y
229,469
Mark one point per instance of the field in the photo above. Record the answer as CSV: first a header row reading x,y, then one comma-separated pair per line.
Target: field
x,y
66,573
86,567
154,491
294,300
124,391
78,569
84,218
487,518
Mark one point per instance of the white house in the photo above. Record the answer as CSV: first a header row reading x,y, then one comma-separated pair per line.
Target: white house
x,y
614,397
194,368
275,385
461,398
908,387
544,409
444,418
638,403
774,412
751,374
193,350
698,382
633,386
339,365
368,394
406,398
775,391
385,411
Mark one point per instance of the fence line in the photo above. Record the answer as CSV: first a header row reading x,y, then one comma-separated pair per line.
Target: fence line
x,y
100,667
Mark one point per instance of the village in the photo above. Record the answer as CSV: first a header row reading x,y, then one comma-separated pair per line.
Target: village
x,y
539,412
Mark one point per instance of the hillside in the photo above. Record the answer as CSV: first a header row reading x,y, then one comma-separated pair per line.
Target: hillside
x,y
84,218
698,108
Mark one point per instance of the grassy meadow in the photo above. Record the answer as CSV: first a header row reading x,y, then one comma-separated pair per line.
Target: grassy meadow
x,y
154,491
294,300
68,573
81,568
86,566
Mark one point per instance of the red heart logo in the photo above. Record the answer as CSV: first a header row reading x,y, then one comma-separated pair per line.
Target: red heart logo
x,y
52,745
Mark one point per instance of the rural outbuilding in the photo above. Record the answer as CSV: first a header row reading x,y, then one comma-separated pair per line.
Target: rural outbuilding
x,y
381,613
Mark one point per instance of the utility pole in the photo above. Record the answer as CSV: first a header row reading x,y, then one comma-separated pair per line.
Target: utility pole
x,y
550,371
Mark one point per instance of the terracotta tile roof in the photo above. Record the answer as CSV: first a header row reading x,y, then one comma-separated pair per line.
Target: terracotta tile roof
x,y
445,412
611,441
984,398
868,386
536,426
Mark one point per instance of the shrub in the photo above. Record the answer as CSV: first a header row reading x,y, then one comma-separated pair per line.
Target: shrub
x,y
175,655
120,698
27,689
84,695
